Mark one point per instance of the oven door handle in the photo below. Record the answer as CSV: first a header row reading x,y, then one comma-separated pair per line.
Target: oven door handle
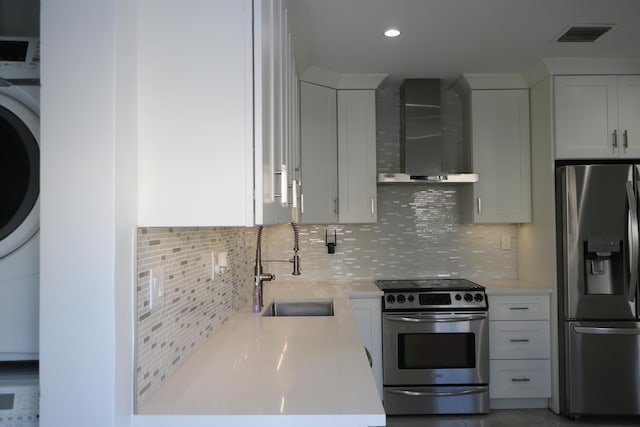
x,y
475,390
421,319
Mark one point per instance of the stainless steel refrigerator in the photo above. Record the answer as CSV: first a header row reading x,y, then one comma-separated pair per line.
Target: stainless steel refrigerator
x,y
599,324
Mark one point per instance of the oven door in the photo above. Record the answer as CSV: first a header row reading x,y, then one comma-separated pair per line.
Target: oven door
x,y
435,348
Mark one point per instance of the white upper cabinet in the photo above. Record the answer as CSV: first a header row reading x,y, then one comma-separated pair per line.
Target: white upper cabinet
x,y
338,150
200,162
275,115
629,115
597,117
357,188
319,146
497,148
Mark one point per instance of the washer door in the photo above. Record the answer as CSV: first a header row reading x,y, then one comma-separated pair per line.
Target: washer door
x,y
19,172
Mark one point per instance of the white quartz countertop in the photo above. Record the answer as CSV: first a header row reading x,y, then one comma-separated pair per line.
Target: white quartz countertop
x,y
276,371
499,286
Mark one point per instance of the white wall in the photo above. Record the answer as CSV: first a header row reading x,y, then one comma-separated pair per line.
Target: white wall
x,y
88,199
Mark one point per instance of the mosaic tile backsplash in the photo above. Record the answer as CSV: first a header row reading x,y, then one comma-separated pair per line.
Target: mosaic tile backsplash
x,y
194,307
419,233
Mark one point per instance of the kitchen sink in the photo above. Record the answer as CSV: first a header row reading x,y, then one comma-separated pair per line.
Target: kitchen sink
x,y
299,308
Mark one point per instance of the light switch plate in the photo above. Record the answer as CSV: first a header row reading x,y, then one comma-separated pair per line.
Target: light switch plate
x,y
156,287
505,242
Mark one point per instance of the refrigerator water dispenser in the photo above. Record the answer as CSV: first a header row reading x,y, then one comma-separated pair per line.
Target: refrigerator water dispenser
x,y
604,266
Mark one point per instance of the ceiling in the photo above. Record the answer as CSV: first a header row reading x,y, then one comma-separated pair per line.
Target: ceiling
x,y
445,38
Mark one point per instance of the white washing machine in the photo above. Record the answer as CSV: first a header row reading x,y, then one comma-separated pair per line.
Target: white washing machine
x,y
19,197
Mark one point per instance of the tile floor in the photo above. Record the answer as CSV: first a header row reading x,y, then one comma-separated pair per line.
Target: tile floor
x,y
510,418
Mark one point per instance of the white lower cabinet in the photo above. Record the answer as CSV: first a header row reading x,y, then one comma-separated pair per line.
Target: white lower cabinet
x,y
519,349
518,379
368,315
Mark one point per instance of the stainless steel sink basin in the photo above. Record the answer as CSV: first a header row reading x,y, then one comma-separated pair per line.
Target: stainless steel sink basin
x,y
307,307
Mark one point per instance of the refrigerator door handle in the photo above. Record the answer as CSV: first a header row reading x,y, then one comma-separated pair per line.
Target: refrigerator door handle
x,y
633,240
605,331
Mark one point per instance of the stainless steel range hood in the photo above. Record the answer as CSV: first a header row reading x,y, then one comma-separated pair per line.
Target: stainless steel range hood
x,y
421,137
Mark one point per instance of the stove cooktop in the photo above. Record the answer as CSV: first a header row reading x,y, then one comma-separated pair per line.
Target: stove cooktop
x,y
437,284
432,294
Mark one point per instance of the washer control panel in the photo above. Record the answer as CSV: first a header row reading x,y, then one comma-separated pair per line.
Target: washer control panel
x,y
19,403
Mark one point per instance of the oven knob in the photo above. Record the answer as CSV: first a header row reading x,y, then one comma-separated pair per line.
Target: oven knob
x,y
401,299
478,297
468,297
410,298
458,297
391,299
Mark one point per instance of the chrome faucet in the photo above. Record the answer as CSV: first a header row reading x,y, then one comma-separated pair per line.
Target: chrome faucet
x,y
260,276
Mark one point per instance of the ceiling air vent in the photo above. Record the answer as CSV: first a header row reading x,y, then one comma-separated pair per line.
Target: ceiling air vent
x,y
584,33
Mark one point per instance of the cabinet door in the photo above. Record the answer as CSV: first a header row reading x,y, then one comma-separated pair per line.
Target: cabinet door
x,y
357,156
629,115
519,339
518,307
520,379
274,115
294,138
319,152
195,136
586,111
369,318
501,156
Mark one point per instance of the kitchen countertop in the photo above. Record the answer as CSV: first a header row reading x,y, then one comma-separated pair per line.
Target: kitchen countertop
x,y
276,371
515,286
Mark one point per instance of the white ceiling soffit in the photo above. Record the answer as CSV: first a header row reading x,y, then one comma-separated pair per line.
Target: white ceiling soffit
x,y
445,38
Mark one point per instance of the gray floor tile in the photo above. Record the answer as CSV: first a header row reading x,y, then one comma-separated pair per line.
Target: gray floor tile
x,y
510,418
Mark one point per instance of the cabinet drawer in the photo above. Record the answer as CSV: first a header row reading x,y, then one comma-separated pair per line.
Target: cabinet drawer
x,y
519,339
520,378
518,307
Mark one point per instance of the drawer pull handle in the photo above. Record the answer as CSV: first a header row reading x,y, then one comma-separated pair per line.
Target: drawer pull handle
x,y
518,308
519,340
520,380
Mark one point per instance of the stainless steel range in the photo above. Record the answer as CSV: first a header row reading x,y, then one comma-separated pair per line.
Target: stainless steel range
x,y
435,347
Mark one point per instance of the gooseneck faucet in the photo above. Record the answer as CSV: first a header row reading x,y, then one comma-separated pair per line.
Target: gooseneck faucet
x,y
260,276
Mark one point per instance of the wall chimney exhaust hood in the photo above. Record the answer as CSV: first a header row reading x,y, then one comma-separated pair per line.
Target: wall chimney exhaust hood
x,y
421,137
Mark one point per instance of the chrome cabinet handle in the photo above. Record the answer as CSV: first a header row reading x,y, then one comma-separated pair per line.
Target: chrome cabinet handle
x,y
520,380
301,203
284,184
294,193
519,340
614,140
518,308
475,390
479,205
625,140
372,206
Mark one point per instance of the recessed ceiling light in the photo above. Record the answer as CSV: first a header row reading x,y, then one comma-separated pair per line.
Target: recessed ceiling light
x,y
392,32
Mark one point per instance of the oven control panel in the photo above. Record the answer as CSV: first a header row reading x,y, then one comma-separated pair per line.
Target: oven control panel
x,y
463,299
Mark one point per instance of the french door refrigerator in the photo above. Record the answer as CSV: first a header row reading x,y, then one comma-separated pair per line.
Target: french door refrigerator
x,y
599,325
